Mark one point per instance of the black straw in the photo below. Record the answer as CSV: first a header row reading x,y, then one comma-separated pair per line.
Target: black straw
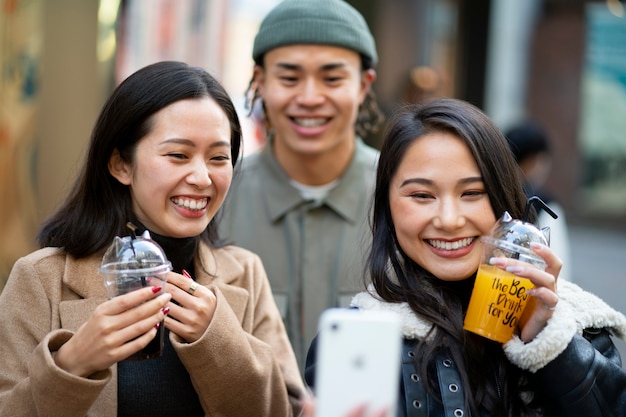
x,y
536,201
133,236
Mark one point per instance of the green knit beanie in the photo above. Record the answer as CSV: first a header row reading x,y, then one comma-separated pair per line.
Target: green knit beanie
x,y
319,22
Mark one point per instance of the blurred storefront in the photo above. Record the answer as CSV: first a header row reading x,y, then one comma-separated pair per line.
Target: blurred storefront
x,y
577,89
20,60
559,62
602,134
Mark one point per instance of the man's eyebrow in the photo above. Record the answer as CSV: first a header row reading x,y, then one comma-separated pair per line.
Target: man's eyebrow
x,y
295,67
332,66
288,66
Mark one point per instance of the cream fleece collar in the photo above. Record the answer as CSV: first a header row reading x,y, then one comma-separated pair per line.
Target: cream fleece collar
x,y
413,326
577,310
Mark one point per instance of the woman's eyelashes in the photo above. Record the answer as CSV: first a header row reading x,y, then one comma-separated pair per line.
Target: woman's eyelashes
x,y
177,155
221,157
422,196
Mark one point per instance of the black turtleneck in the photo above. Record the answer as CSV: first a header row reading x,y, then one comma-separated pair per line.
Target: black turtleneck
x,y
160,386
180,252
462,289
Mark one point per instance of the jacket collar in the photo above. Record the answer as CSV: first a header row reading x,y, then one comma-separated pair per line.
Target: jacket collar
x,y
216,264
83,278
413,326
586,309
345,199
589,310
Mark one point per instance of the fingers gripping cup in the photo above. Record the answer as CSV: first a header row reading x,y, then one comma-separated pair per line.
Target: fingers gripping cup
x,y
131,263
499,298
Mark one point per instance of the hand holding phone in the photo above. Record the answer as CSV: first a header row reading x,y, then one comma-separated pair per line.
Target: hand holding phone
x,y
359,356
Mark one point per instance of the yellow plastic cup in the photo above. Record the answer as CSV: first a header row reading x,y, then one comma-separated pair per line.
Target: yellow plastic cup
x,y
499,298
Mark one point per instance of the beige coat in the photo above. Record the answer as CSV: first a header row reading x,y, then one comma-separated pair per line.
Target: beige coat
x,y
242,366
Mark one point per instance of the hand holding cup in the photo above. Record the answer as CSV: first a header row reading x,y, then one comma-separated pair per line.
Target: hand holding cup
x,y
117,329
516,266
192,307
132,263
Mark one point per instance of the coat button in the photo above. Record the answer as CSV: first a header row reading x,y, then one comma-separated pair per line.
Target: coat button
x,y
415,378
458,413
416,404
447,363
453,387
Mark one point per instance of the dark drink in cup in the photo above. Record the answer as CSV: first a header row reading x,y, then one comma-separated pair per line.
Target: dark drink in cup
x,y
133,263
153,349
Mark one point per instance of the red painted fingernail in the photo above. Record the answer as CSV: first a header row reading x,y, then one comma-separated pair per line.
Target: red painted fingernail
x,y
185,273
165,310
156,326
156,289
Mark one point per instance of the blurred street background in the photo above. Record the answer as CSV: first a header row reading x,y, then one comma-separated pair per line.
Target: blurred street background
x,y
596,261
561,63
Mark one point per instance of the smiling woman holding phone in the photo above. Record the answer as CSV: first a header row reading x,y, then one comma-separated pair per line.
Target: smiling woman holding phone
x,y
445,175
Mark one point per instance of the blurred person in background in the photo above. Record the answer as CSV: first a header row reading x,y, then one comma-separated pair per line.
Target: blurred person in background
x,y
301,202
532,150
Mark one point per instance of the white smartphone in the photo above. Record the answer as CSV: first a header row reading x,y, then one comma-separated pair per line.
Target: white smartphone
x,y
358,361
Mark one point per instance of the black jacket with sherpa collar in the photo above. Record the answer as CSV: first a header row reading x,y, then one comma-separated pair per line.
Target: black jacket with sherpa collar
x,y
575,369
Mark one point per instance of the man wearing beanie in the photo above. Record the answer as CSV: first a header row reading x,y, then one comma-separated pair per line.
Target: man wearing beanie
x,y
302,202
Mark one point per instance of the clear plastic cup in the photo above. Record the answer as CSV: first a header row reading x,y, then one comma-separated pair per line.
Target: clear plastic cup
x,y
130,264
499,298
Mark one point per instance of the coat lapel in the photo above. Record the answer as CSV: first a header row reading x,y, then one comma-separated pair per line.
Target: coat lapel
x,y
222,269
83,291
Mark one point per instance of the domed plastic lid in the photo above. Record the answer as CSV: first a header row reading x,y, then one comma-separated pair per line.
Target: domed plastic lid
x,y
518,232
521,232
135,253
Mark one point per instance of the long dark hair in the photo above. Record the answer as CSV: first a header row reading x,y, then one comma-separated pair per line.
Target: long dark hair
x,y
397,278
99,206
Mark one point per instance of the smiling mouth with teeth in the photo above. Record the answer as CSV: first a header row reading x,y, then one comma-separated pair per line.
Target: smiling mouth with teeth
x,y
310,121
191,204
445,245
